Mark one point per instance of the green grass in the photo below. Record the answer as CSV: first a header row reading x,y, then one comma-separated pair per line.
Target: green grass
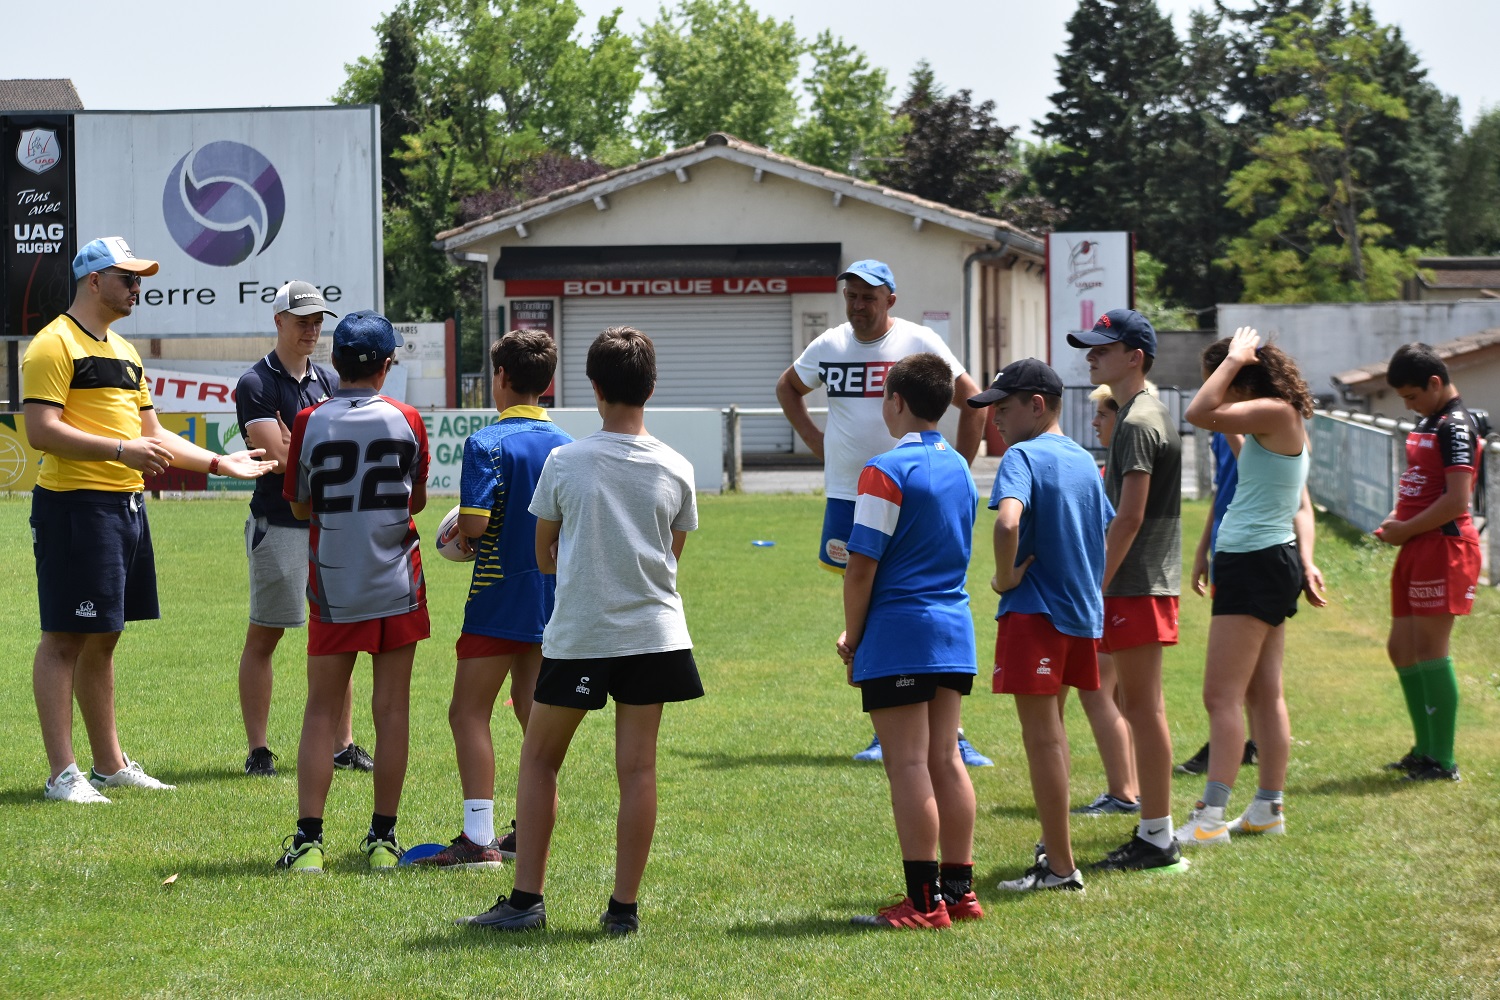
x,y
769,837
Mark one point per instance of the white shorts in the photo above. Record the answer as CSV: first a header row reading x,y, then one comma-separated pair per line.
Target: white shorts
x,y
278,574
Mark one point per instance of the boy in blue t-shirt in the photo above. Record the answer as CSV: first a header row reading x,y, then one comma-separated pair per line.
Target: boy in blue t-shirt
x,y
908,640
1049,499
510,599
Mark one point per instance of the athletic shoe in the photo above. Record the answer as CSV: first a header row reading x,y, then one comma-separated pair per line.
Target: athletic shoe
x,y
972,757
1041,876
1431,770
261,763
619,924
1141,855
871,752
905,916
1107,805
1260,816
71,786
353,758
966,907
1196,764
132,775
1039,853
383,854
504,917
306,859
1409,762
1252,753
464,853
507,844
1205,825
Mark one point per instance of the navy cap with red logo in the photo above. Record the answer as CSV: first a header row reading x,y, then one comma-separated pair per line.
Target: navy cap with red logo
x,y
1124,326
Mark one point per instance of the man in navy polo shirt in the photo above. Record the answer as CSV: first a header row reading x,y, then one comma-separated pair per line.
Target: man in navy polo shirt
x,y
267,400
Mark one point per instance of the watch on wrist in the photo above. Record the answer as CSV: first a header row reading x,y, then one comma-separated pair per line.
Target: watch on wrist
x,y
213,466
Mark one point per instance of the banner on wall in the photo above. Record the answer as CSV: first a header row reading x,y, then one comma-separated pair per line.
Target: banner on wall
x,y
40,241
1088,274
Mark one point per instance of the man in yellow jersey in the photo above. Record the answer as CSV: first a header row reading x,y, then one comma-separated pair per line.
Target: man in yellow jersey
x,y
88,410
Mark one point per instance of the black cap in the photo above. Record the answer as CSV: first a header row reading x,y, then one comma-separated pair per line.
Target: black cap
x,y
1125,326
1027,375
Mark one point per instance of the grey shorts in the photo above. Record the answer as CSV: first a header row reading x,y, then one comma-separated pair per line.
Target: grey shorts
x,y
278,574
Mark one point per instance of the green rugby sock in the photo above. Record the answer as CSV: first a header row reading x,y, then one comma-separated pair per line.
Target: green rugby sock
x,y
1440,692
1416,706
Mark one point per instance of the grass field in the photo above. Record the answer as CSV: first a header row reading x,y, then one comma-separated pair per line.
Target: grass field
x,y
769,837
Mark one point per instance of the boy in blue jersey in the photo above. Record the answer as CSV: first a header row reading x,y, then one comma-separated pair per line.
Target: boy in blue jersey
x,y
908,640
510,599
1049,499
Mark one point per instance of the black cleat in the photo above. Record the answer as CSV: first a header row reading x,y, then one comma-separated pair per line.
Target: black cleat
x,y
1410,762
261,763
1196,764
504,917
353,758
1139,855
1430,770
619,924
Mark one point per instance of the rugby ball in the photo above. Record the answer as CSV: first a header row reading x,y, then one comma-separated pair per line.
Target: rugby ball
x,y
447,539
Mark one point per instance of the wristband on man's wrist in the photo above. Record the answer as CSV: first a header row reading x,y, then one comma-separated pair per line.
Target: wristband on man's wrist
x,y
119,448
213,466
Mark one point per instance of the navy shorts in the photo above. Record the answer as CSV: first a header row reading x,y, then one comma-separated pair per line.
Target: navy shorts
x,y
95,570
838,522
642,679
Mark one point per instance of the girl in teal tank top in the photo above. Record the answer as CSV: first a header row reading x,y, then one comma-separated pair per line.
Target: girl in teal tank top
x,y
1262,561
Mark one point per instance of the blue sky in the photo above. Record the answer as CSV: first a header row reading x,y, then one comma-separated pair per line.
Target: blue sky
x,y
178,54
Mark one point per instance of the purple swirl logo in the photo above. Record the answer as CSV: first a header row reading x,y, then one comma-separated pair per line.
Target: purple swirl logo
x,y
223,203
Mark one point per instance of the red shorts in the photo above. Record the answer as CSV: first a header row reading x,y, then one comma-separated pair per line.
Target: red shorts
x,y
480,647
374,635
1137,621
1032,657
1435,574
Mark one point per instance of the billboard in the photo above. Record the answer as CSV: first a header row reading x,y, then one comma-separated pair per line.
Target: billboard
x,y
1088,274
36,182
234,204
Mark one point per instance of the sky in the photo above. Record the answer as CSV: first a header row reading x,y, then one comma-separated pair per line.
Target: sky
x,y
180,54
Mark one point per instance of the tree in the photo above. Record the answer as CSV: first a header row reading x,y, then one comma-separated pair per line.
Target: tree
x,y
1151,300
718,67
1473,215
494,85
953,152
1315,234
850,127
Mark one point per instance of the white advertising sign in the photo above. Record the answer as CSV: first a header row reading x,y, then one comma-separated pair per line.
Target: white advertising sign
x,y
234,204
1088,274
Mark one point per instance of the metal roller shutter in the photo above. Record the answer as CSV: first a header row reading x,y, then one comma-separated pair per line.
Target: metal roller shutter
x,y
710,351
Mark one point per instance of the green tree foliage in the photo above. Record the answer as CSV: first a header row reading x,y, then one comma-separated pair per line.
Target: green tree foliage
x,y
1315,235
849,126
1473,214
478,90
1151,299
954,151
719,67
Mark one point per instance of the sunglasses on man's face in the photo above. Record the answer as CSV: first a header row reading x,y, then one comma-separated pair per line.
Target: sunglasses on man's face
x,y
130,280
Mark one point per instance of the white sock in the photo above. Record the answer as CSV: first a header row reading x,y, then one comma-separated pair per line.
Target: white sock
x,y
479,820
1157,832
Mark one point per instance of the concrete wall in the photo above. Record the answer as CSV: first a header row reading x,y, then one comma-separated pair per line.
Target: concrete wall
x,y
1332,338
1478,384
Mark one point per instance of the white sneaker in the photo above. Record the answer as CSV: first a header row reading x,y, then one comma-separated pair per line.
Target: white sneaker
x,y
72,786
1205,825
132,775
1041,876
1260,817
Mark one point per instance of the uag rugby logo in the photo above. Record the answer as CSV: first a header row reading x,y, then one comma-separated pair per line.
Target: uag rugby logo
x,y
223,203
37,150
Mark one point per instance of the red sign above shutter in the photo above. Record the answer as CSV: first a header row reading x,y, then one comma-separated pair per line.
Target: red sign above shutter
x,y
614,287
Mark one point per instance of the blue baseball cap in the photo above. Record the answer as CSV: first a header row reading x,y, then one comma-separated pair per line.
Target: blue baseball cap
x,y
366,336
111,251
1125,326
871,272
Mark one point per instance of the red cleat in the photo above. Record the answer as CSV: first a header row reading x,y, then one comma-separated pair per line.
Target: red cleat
x,y
904,915
966,908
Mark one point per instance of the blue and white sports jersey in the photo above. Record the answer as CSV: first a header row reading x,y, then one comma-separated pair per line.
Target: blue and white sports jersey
x,y
914,514
1064,517
509,598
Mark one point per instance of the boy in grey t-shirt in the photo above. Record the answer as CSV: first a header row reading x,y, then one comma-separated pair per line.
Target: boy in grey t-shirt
x,y
613,512
1142,569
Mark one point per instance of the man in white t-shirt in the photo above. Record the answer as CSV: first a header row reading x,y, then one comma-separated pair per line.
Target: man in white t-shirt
x,y
851,360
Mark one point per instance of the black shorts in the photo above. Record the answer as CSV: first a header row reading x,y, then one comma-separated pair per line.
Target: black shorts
x,y
910,689
1263,584
95,569
643,679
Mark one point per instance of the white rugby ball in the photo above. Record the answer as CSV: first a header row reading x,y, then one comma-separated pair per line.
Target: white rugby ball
x,y
447,539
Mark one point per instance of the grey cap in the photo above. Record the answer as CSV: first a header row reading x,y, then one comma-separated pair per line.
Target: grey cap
x,y
300,298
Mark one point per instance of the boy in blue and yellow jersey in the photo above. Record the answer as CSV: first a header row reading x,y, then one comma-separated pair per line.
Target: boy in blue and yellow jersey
x,y
510,599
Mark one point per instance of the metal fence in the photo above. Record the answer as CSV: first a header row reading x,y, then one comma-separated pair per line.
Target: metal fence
x,y
1078,414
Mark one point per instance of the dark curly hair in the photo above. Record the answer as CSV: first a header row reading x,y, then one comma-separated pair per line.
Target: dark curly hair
x,y
1276,377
